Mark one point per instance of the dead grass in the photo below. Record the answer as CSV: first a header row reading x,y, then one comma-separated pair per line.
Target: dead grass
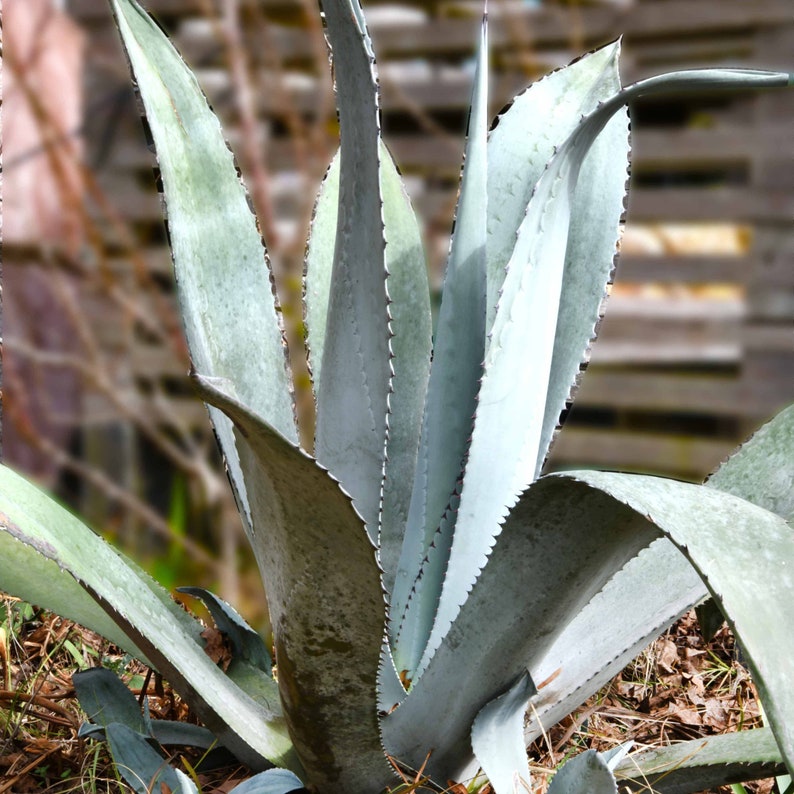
x,y
680,688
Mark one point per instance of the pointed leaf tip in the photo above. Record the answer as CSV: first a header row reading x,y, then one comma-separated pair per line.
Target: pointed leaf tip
x,y
497,738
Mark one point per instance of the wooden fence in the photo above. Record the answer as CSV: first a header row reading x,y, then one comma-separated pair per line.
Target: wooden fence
x,y
697,346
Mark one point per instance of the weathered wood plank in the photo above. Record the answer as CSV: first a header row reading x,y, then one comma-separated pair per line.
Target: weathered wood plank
x,y
694,150
658,392
686,456
734,203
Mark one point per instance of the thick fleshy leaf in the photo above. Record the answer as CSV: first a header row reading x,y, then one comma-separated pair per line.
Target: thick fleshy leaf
x,y
273,781
48,557
411,348
225,292
411,334
505,452
144,770
328,618
762,469
246,643
559,546
497,738
352,399
737,542
105,699
659,583
538,121
182,734
318,268
164,732
614,756
24,570
451,396
524,139
586,773
186,785
702,764
567,540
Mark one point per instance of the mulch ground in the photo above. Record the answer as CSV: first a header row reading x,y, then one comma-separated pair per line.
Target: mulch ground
x,y
680,688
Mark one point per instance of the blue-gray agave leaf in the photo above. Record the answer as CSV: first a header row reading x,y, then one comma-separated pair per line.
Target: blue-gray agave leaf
x,y
512,399
659,583
607,519
328,618
272,781
702,764
586,773
352,399
246,643
497,738
451,397
409,297
225,293
144,770
105,699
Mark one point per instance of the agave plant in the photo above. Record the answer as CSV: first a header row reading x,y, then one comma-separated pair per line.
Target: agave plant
x,y
425,583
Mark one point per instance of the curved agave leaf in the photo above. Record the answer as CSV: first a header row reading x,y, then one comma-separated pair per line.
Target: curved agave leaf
x,y
762,472
411,334
560,545
659,583
497,738
246,644
224,287
567,536
318,268
272,781
142,767
352,399
761,617
328,616
524,139
451,395
48,557
703,764
762,469
105,699
182,734
505,452
586,773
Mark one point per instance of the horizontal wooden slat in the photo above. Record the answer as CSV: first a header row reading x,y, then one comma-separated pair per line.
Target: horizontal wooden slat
x,y
671,268
653,150
186,413
777,337
687,456
745,203
646,204
667,18
632,268
710,394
